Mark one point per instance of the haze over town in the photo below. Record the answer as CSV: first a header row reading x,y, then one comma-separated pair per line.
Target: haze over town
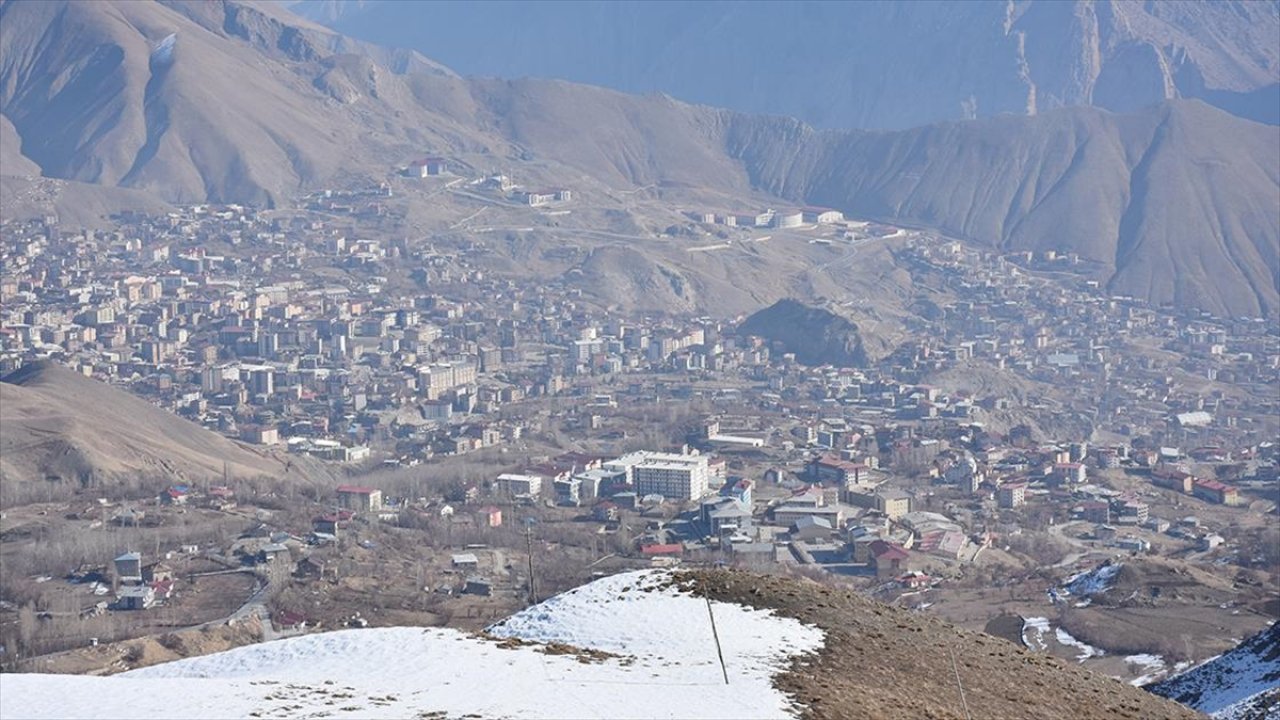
x,y
314,346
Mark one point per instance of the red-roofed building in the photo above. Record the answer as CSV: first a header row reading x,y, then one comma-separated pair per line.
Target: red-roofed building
x,y
1012,495
1216,492
1173,479
1069,473
666,549
889,559
359,498
163,588
832,469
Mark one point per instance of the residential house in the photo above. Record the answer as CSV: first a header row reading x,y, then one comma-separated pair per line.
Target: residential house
x,y
491,516
1012,495
1095,511
136,597
359,498
129,568
604,511
889,560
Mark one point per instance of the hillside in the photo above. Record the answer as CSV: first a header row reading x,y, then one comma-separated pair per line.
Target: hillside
x,y
1145,196
639,644
57,424
864,64
1241,684
228,100
192,101
75,204
816,336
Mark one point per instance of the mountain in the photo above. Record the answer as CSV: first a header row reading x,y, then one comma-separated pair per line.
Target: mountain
x,y
887,65
1241,684
58,425
815,335
75,204
193,101
1174,204
634,645
234,101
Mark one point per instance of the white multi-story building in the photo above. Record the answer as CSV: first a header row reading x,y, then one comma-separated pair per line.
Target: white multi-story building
x,y
518,486
671,475
435,379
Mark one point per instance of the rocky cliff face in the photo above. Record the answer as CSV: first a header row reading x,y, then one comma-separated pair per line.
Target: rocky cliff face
x,y
816,336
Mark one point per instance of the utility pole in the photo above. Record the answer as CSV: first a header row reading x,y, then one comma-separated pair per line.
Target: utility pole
x,y
719,652
955,669
528,541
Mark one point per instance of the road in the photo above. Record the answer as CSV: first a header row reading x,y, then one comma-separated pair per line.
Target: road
x,y
1083,548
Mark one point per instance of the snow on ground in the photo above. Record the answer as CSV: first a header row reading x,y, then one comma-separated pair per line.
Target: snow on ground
x,y
1033,632
1092,582
669,669
1264,705
665,628
1153,666
1086,650
1228,686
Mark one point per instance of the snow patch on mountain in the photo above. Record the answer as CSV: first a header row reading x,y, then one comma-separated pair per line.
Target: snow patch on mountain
x,y
162,53
1092,582
1235,684
664,664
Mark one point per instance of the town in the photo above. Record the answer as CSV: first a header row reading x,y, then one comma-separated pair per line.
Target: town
x,y
468,439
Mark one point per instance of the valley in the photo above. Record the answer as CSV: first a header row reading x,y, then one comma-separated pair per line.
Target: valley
x,y
311,348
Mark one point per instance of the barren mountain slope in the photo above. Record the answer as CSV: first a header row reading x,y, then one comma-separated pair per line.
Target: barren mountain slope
x,y
1174,203
198,101
57,424
857,64
75,204
12,161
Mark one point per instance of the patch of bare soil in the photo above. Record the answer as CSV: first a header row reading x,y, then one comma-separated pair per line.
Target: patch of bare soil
x,y
112,658
888,663
583,655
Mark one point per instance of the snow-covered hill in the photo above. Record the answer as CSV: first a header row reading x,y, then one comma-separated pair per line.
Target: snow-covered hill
x,y
1243,683
657,658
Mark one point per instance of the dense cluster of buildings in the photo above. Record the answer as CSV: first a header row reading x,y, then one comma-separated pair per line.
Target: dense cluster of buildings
x,y
233,318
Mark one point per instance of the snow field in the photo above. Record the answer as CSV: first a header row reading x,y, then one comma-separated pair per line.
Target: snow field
x,y
668,668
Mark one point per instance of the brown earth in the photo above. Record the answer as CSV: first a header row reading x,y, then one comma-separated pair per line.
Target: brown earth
x,y
112,658
884,662
57,425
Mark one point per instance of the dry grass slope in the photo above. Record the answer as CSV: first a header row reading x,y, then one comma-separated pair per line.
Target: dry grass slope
x,y
887,663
